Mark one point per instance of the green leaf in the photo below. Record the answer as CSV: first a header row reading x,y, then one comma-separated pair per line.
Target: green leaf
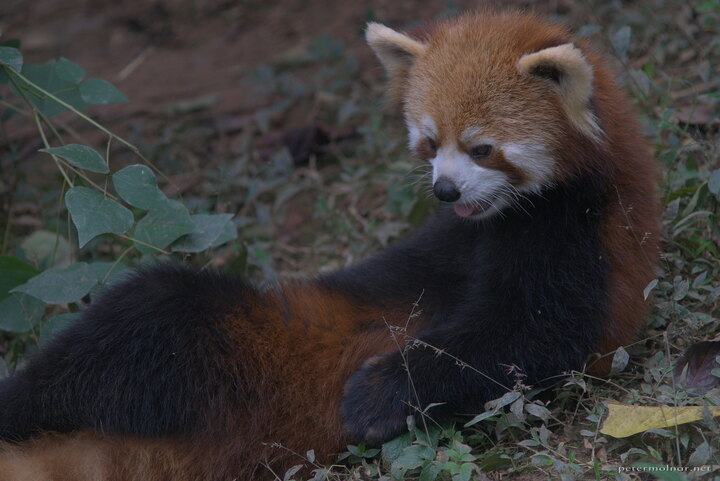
x,y
430,472
14,272
20,313
99,91
681,287
11,42
701,455
137,185
208,228
430,436
355,450
310,456
708,6
11,57
361,451
541,460
538,411
494,461
481,417
714,183
321,474
415,456
292,472
466,470
619,362
56,324
46,249
392,449
69,71
507,398
105,275
229,233
60,286
648,289
56,77
94,214
162,225
80,156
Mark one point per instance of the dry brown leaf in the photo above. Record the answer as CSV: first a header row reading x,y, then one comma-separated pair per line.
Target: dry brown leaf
x,y
625,420
700,361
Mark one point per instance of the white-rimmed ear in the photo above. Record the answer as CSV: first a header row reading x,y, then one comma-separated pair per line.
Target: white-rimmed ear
x,y
396,51
571,75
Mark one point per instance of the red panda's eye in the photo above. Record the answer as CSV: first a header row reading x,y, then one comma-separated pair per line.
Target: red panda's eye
x,y
480,151
432,144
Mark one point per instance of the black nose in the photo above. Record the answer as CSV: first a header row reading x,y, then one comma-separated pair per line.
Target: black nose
x,y
445,190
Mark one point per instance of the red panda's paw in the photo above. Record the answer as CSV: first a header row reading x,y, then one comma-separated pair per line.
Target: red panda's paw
x,y
375,402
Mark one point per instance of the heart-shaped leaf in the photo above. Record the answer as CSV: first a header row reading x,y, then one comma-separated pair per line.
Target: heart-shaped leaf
x,y
60,286
94,214
58,77
162,225
80,156
14,272
20,312
11,57
208,229
99,91
137,185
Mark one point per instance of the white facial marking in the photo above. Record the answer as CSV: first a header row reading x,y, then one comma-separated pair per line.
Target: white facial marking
x,y
476,184
534,160
428,127
481,185
416,133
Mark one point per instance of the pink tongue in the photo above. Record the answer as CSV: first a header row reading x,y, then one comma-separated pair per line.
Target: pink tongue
x,y
464,210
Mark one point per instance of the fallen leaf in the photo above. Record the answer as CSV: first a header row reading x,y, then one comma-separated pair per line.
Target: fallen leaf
x,y
301,142
625,420
304,142
700,361
696,115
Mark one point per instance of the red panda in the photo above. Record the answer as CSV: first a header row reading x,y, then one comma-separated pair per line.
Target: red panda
x,y
536,258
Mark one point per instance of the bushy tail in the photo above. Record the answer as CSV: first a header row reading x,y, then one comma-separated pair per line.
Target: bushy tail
x,y
93,457
148,358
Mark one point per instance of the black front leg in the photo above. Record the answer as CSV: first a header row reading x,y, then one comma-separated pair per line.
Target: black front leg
x,y
430,266
460,370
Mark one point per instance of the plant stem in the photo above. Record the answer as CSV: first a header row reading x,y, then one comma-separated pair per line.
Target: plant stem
x,y
10,72
47,146
14,108
162,251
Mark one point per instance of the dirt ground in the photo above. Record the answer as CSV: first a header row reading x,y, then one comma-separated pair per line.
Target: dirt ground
x,y
163,52
184,65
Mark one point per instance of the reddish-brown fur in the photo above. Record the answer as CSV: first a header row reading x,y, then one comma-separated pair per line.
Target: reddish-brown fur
x,y
299,368
630,232
313,356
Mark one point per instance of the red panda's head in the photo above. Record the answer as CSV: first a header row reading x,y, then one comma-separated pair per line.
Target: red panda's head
x,y
490,100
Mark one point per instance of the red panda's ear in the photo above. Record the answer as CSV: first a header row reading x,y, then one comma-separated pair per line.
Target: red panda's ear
x,y
571,75
396,51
